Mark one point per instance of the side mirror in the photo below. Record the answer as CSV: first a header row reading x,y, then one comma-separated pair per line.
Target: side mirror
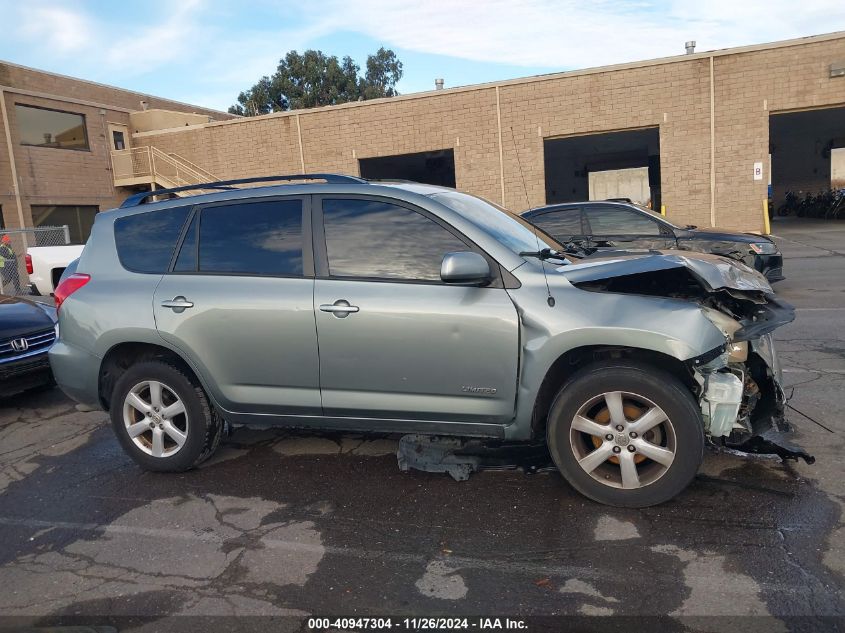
x,y
465,268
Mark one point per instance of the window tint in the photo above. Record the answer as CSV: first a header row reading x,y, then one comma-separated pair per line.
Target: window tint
x,y
253,238
145,241
79,220
51,128
369,238
607,220
560,224
187,258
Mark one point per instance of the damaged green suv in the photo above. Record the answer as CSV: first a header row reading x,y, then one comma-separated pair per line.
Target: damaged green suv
x,y
417,310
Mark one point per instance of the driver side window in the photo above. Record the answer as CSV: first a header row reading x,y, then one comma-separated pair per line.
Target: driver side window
x,y
377,240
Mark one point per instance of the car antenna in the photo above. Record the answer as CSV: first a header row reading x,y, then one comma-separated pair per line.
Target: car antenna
x,y
550,299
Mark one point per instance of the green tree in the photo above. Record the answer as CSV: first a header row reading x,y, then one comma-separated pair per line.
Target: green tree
x,y
384,70
315,79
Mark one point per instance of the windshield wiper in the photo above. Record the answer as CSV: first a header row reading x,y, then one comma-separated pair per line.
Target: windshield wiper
x,y
544,254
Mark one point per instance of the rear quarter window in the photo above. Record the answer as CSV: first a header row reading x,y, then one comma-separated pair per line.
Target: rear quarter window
x,y
145,241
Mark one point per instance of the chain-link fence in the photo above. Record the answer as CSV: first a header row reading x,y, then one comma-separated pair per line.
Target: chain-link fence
x,y
14,243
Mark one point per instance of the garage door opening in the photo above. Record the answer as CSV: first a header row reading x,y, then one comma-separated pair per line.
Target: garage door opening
x,y
808,159
433,168
622,164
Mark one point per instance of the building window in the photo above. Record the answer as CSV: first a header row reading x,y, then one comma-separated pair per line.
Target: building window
x,y
79,219
43,127
118,140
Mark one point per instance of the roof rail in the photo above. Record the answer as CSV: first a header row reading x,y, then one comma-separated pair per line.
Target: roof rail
x,y
140,198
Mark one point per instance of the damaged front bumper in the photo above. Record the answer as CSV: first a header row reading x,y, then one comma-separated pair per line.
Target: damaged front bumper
x,y
739,384
743,403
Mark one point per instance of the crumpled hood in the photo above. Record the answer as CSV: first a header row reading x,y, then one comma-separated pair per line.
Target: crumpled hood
x,y
713,271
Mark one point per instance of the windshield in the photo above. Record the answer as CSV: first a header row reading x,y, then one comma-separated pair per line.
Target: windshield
x,y
516,233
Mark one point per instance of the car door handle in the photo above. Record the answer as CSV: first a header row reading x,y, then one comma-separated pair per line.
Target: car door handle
x,y
177,304
339,308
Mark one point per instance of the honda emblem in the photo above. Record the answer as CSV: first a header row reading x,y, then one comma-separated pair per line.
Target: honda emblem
x,y
20,344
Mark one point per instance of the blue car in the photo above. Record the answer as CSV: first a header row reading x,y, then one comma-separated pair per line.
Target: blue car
x,y
27,331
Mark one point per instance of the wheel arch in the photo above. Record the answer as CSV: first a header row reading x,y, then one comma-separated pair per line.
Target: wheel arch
x,y
573,360
121,356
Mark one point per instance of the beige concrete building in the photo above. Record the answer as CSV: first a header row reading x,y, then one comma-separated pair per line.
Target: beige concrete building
x,y
57,134
701,123
707,131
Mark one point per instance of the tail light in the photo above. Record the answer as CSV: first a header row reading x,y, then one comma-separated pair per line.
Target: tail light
x,y
70,285
28,264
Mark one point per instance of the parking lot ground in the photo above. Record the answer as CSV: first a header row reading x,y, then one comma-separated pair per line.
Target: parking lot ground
x,y
278,524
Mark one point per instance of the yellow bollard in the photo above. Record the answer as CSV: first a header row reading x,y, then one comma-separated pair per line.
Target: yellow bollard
x,y
663,210
766,228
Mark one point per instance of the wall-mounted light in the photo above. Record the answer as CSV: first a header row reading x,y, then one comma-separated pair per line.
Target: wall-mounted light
x,y
837,69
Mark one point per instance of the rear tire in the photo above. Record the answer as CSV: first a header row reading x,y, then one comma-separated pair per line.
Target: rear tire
x,y
626,434
163,418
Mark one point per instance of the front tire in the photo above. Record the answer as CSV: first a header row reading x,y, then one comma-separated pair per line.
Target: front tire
x,y
163,419
626,434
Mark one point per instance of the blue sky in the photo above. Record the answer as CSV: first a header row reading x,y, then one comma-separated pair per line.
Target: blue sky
x,y
206,51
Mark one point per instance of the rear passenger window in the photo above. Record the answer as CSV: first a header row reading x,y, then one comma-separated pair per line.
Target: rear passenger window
x,y
252,238
145,241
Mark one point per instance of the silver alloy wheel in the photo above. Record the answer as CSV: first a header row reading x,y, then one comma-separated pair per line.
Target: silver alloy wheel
x,y
623,440
155,418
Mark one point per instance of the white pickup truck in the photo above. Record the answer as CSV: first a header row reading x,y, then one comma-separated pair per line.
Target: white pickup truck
x,y
45,265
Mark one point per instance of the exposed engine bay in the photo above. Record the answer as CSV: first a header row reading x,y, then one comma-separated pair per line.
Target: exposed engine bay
x,y
739,384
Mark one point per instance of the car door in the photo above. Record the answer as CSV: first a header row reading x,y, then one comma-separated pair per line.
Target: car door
x,y
563,224
621,227
410,347
238,302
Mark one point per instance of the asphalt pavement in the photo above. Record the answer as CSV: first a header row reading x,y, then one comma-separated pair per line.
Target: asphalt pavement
x,y
284,525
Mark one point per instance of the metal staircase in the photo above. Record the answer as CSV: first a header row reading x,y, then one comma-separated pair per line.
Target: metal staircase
x,y
148,165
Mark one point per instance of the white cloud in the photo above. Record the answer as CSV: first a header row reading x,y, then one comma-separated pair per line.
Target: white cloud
x,y
187,44
58,28
206,51
578,34
55,29
151,47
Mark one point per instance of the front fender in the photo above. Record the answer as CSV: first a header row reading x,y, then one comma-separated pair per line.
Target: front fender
x,y
673,327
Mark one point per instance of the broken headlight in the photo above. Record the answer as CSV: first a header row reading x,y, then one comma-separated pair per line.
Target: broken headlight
x,y
726,324
738,352
764,248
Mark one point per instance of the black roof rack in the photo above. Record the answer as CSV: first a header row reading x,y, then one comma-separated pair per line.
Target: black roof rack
x,y
140,198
